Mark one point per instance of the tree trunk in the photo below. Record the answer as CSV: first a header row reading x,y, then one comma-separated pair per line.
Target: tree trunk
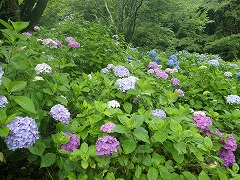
x,y
9,9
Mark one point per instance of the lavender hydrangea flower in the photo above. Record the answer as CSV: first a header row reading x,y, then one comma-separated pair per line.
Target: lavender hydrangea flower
x,y
233,99
106,146
3,101
69,39
175,81
60,113
228,74
108,127
105,71
162,74
72,144
227,156
126,83
28,34
43,68
152,65
110,66
59,44
158,113
113,104
202,122
36,28
23,133
74,44
214,62
179,91
121,71
230,144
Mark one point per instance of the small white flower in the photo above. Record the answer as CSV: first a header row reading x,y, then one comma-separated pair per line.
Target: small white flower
x,y
228,74
38,78
199,112
113,104
43,68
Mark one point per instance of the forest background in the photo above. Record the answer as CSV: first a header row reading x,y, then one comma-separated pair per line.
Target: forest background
x,y
211,26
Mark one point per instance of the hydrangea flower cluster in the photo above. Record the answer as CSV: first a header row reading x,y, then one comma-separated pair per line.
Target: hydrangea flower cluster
x,y
153,54
235,66
226,152
50,43
121,71
173,62
36,28
152,65
169,70
28,34
43,68
158,113
126,83
105,71
23,133
110,66
228,74
150,71
179,91
1,74
113,104
233,99
72,43
161,74
202,121
59,44
60,113
238,75
213,62
175,81
108,127
107,145
3,101
72,144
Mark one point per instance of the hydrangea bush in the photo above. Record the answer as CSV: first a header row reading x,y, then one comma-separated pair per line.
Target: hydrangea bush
x,y
148,116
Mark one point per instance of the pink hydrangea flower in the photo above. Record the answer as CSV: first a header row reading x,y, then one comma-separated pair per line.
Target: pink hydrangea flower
x,y
69,39
162,74
108,127
153,65
169,70
36,28
179,91
73,44
175,81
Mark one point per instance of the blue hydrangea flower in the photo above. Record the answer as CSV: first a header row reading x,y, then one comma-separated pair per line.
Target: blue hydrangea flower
x,y
174,58
121,71
1,74
157,60
3,101
170,63
214,62
60,113
153,53
238,75
130,58
158,113
177,67
125,84
23,133
233,99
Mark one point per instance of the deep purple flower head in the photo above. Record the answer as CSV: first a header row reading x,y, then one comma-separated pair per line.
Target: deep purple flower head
x,y
152,65
175,81
153,53
179,91
60,113
23,133
108,127
69,39
73,44
162,74
230,143
227,156
106,145
3,101
28,34
202,122
72,144
121,71
59,44
158,113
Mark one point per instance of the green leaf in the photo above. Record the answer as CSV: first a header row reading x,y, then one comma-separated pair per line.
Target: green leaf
x,y
6,81
3,116
25,102
17,86
175,126
179,158
141,134
127,107
4,131
235,168
129,145
138,172
160,136
124,120
189,175
137,120
222,175
38,148
203,176
84,147
6,24
208,142
18,26
110,176
152,174
48,160
180,147
121,129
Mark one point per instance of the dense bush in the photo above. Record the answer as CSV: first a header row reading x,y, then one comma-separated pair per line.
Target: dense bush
x,y
142,116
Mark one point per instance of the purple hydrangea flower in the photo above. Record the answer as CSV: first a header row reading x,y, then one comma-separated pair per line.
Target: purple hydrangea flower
x,y
227,156
28,34
105,71
106,145
108,127
60,113
23,133
179,91
73,44
175,81
69,39
3,101
121,71
162,74
230,144
125,84
158,113
110,66
72,144
202,122
59,44
153,65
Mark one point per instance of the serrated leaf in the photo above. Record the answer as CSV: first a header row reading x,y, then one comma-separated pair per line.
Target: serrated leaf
x,y
84,147
136,120
189,175
203,176
160,136
38,148
138,171
180,147
141,134
121,129
4,131
127,107
222,175
48,160
175,126
129,145
25,102
208,142
17,86
152,174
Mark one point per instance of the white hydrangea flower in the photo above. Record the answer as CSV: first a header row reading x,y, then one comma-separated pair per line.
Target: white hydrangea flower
x,y
199,112
233,99
113,104
43,68
228,74
50,43
214,62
